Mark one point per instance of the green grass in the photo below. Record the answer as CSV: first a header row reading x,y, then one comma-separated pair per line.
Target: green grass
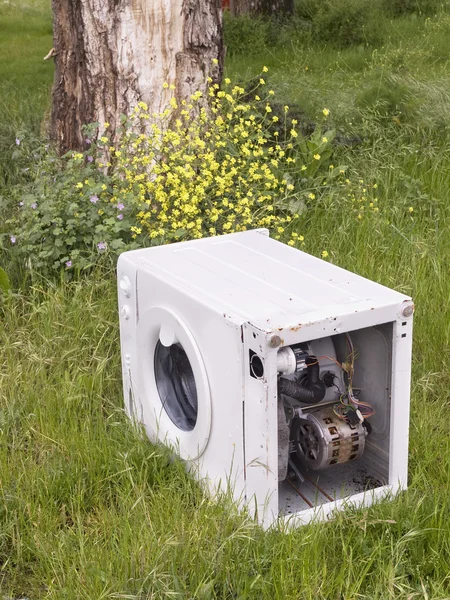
x,y
91,510
25,78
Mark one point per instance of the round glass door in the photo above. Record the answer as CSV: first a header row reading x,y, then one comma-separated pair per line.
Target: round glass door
x,y
175,382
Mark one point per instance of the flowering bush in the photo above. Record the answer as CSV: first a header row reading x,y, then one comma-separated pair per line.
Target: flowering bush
x,y
193,173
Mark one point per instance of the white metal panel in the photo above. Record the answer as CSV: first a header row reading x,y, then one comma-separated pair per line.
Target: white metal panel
x,y
253,277
401,382
219,342
261,428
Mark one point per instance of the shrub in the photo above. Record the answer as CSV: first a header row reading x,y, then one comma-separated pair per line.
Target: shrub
x,y
245,34
344,23
398,8
235,167
251,35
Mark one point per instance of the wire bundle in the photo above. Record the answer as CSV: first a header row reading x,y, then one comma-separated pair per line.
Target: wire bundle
x,y
348,402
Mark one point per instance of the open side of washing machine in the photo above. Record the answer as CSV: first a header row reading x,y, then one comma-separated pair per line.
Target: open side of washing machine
x,y
339,446
342,412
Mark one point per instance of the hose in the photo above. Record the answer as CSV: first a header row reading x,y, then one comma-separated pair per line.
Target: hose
x,y
313,391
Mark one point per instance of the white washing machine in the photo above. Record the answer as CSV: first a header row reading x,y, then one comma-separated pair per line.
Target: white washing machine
x,y
272,373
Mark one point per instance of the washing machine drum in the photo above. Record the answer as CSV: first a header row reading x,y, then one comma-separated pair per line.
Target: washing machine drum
x,y
175,382
175,397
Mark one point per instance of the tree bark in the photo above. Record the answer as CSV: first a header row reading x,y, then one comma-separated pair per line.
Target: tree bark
x,y
112,54
273,8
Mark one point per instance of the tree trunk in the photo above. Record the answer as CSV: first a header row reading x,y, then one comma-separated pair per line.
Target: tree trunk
x,y
273,8
112,54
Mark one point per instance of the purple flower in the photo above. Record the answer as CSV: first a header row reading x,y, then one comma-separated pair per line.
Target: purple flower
x,y
34,205
20,203
94,199
101,245
90,158
120,217
88,141
17,142
68,264
120,206
13,239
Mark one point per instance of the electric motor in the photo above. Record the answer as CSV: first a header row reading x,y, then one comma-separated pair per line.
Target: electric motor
x,y
321,439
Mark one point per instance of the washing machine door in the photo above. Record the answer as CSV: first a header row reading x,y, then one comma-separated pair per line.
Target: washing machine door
x,y
174,389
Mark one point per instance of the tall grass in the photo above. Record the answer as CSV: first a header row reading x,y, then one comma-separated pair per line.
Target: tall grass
x,y
25,78
90,509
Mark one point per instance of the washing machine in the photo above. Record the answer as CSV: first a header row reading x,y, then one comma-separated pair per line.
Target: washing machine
x,y
276,376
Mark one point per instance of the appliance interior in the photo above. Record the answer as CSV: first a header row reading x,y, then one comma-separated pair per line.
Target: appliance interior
x,y
334,405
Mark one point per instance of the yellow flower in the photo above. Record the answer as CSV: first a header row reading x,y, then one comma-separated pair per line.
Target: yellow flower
x,y
303,168
325,112
316,156
312,196
324,140
268,109
411,209
106,125
79,185
215,61
261,81
227,80
265,69
104,139
295,134
324,254
271,92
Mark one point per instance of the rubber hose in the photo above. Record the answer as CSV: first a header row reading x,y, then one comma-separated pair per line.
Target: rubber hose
x,y
313,391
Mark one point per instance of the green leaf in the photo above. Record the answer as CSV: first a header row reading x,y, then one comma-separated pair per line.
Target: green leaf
x,y
5,284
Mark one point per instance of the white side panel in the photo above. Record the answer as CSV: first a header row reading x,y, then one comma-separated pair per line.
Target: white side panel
x,y
400,402
328,511
126,278
261,429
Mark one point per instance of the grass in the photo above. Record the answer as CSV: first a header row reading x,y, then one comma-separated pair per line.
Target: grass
x,y
91,510
25,78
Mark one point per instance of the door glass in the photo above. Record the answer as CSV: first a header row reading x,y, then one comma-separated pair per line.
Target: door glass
x,y
176,385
